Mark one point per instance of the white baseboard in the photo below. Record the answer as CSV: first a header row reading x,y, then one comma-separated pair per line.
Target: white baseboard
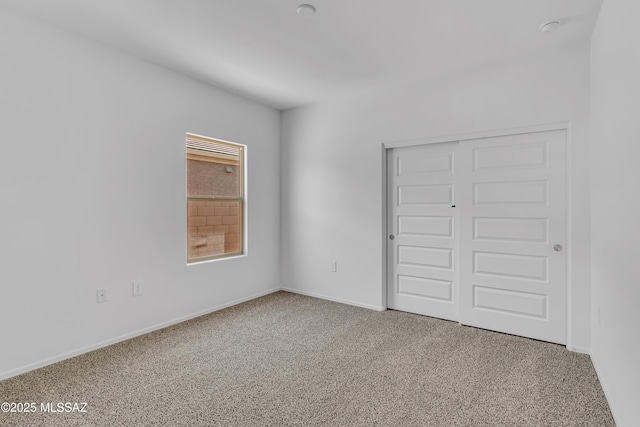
x,y
340,300
603,384
68,355
578,349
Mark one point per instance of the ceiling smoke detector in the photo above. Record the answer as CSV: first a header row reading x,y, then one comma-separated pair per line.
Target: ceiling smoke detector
x,y
550,26
306,10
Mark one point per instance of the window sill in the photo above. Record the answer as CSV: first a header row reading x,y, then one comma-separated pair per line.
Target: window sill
x,y
208,260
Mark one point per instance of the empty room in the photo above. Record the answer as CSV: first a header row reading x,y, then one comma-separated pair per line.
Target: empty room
x,y
340,213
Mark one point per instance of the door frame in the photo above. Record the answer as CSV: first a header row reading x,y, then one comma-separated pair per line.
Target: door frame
x,y
566,126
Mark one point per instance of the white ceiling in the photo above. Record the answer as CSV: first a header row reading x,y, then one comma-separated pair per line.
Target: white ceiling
x,y
264,50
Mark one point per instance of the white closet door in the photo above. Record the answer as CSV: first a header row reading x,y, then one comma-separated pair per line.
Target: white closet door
x,y
513,233
421,247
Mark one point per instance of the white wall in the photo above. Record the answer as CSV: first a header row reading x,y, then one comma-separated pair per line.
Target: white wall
x,y
615,86
92,185
332,167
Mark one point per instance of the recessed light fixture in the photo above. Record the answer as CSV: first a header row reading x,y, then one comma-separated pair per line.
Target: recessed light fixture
x,y
550,26
306,10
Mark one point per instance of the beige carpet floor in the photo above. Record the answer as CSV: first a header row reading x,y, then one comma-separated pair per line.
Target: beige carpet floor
x,y
287,359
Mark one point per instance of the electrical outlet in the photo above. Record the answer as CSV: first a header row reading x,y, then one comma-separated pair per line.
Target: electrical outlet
x,y
101,295
334,266
137,288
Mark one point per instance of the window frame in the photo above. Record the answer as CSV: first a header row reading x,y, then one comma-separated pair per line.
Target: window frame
x,y
196,155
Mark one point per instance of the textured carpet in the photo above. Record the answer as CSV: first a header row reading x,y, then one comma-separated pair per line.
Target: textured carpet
x,y
287,359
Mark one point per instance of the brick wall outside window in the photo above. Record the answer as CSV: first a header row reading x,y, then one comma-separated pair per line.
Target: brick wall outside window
x,y
214,227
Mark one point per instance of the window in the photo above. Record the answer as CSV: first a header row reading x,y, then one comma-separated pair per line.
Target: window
x,y
215,198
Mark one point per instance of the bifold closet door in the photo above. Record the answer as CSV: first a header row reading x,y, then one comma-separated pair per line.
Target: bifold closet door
x,y
421,223
512,234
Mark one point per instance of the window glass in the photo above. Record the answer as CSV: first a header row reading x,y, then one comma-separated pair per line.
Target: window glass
x,y
214,198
